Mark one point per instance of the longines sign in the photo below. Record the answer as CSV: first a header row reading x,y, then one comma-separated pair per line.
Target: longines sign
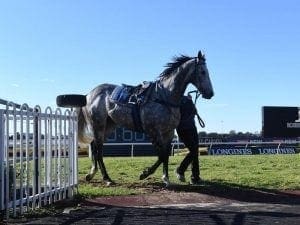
x,y
251,151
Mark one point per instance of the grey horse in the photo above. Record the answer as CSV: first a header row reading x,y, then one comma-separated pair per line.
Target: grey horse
x,y
159,115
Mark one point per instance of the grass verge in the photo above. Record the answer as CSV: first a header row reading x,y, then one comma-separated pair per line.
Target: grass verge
x,y
273,172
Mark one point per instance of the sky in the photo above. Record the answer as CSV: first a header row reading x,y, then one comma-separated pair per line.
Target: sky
x,y
252,48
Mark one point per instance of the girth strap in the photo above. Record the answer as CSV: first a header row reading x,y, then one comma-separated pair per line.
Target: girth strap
x,y
136,116
162,102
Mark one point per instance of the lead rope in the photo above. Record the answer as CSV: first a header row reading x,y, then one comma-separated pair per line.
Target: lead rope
x,y
200,121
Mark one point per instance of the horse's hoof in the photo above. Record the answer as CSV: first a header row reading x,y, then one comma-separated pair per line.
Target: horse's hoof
x,y
88,177
109,182
143,176
166,181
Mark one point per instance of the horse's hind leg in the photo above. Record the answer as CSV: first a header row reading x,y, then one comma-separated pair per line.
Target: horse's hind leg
x,y
165,160
94,168
97,160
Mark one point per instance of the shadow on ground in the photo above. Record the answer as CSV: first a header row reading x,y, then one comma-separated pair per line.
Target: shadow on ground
x,y
241,193
130,215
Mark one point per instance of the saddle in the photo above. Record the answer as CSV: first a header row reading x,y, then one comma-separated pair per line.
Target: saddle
x,y
134,96
127,94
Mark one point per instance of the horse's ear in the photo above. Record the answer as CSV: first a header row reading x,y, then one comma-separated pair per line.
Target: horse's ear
x,y
200,56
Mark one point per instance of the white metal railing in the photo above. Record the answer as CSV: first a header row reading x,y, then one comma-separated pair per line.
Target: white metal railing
x,y
276,145
38,157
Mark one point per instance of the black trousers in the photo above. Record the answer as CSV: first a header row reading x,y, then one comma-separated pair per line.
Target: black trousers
x,y
190,138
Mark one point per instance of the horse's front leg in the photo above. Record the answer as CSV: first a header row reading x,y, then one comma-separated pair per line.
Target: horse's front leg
x,y
150,170
163,157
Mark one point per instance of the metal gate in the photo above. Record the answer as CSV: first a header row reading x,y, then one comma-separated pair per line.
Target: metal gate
x,y
38,157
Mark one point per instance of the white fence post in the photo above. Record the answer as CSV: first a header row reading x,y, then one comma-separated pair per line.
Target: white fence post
x,y
132,153
2,165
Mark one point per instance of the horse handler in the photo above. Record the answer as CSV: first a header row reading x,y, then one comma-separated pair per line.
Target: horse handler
x,y
187,133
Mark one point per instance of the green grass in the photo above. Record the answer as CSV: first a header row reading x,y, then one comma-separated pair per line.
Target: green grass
x,y
272,172
223,176
280,172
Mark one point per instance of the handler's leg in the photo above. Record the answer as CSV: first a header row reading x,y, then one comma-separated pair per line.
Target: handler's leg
x,y
195,178
185,137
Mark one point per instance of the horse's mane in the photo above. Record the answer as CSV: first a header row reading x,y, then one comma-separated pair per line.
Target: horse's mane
x,y
171,66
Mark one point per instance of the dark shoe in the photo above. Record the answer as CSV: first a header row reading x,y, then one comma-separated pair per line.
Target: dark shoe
x,y
196,182
179,175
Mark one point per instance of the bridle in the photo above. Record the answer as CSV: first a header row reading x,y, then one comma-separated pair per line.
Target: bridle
x,y
202,72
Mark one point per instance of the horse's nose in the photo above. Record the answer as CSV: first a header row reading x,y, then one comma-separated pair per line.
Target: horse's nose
x,y
208,95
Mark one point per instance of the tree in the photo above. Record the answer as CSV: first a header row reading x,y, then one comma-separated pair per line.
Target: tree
x,y
202,134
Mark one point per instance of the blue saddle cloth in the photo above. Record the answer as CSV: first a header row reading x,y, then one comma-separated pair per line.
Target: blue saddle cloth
x,y
120,94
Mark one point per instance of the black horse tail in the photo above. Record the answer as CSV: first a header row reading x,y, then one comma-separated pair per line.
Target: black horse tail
x,y
82,126
77,102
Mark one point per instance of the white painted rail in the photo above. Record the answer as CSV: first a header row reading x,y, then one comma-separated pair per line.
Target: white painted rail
x,y
275,145
38,157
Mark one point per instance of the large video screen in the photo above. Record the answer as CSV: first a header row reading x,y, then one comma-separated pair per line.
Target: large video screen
x,y
280,122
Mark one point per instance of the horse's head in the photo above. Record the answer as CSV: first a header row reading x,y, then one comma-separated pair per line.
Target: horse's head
x,y
200,77
183,71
